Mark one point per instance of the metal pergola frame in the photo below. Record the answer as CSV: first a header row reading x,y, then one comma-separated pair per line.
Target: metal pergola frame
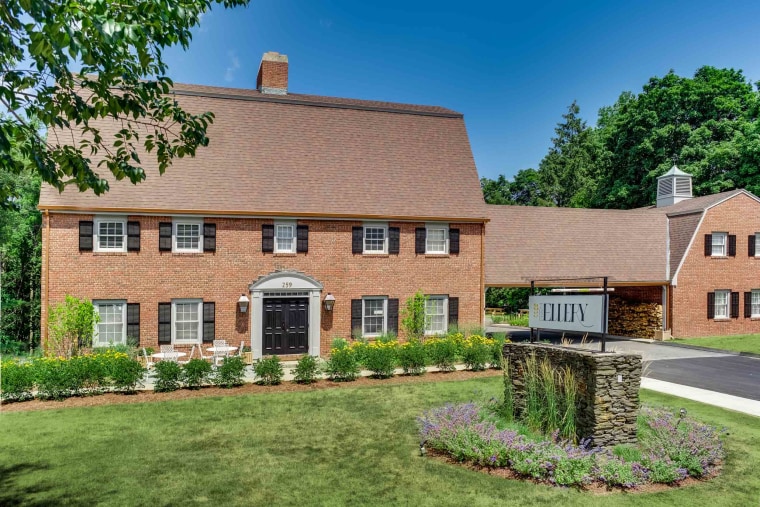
x,y
606,302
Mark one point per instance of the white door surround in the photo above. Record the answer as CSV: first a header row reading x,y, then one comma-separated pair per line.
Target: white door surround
x,y
282,284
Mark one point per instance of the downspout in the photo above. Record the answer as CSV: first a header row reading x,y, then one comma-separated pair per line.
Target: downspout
x,y
46,292
482,274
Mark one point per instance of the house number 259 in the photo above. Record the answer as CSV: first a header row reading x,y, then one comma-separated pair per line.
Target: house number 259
x,y
287,285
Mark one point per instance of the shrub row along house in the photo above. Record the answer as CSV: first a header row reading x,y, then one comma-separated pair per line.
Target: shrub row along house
x,y
306,218
309,218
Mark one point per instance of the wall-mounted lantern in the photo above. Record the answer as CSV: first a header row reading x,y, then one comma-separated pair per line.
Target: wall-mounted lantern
x,y
243,303
329,302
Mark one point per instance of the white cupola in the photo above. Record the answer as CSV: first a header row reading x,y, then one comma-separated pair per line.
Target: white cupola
x,y
673,187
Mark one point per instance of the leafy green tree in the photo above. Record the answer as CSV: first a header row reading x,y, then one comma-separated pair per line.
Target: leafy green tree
x,y
707,125
117,48
566,172
524,190
70,327
20,252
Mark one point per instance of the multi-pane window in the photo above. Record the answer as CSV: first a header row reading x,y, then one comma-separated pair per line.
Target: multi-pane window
x,y
721,303
435,315
755,303
757,244
186,321
375,239
187,236
373,316
109,235
284,235
111,326
436,240
719,247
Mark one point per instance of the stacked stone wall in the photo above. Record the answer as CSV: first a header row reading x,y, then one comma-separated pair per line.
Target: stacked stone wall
x,y
608,388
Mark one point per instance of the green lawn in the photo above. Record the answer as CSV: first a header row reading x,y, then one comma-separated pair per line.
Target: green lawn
x,y
355,446
738,343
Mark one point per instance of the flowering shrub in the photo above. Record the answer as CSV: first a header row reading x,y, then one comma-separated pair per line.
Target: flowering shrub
x,y
467,432
477,351
412,357
343,365
379,357
442,352
682,441
17,380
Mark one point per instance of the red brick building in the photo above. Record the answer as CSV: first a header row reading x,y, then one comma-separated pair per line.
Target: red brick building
x,y
690,264
300,203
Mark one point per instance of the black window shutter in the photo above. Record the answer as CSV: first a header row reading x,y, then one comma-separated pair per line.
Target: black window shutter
x,y
357,242
133,236
209,237
302,238
85,235
710,305
393,316
732,245
209,322
267,238
133,324
734,305
751,240
454,241
453,311
747,305
356,316
165,237
420,235
394,240
164,323
708,246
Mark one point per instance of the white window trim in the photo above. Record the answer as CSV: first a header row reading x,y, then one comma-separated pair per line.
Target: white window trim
x,y
383,226
198,341
295,236
96,234
728,305
430,227
385,316
187,221
96,303
754,315
757,244
429,332
725,244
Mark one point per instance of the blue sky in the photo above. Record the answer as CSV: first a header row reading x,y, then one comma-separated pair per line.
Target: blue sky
x,y
511,68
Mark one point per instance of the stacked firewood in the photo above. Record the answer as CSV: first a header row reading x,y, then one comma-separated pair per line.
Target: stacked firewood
x,y
630,318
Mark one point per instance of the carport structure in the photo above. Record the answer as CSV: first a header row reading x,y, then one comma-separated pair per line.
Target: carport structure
x,y
573,247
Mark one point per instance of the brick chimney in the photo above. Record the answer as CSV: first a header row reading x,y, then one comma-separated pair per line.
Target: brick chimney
x,y
273,74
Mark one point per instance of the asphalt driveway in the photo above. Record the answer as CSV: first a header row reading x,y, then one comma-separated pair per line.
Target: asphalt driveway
x,y
722,372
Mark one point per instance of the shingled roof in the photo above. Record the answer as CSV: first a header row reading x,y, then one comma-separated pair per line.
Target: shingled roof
x,y
525,243
305,155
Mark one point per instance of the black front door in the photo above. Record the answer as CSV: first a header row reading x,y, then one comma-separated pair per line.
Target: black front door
x,y
286,326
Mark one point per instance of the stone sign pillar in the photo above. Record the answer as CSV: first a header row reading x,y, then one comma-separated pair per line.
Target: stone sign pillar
x,y
608,388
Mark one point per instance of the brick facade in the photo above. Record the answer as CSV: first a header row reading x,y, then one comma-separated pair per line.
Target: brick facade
x,y
149,276
700,274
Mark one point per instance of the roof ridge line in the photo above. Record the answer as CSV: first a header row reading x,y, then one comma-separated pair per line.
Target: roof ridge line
x,y
316,103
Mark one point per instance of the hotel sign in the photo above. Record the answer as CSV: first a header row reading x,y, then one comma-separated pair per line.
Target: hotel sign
x,y
568,313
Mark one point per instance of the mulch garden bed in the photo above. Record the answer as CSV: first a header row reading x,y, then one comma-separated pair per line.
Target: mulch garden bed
x,y
594,488
288,386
